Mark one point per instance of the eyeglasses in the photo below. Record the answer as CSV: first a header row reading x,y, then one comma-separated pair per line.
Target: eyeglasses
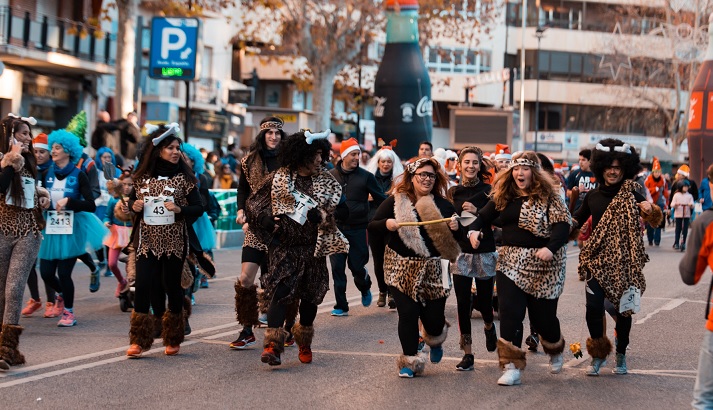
x,y
426,175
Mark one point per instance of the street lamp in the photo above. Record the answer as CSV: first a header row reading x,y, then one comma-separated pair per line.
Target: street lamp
x,y
539,33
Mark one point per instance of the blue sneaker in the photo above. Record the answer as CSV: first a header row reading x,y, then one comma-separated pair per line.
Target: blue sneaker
x,y
94,281
366,298
436,354
406,373
339,312
421,343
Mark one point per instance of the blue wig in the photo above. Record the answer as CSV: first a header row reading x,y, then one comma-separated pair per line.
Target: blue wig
x,y
194,155
68,141
98,157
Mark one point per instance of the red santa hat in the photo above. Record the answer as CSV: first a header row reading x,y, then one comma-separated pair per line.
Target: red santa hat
x,y
348,146
502,151
40,141
656,166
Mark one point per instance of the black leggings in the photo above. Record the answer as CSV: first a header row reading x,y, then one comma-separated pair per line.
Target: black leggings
x,y
432,317
462,287
156,279
276,311
33,284
64,285
595,317
512,313
378,246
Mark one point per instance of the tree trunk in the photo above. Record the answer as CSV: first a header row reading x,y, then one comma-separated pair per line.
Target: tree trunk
x,y
125,54
323,91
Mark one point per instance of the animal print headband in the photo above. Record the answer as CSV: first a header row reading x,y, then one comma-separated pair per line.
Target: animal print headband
x,y
271,124
524,162
412,167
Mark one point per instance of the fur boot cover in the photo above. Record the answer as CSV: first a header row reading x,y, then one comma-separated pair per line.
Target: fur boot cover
x,y
291,311
654,217
276,336
599,348
16,161
440,233
9,341
246,302
509,353
173,328
553,348
263,302
435,341
303,334
417,363
141,331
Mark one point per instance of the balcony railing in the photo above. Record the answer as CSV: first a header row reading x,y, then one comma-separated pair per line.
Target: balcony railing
x,y
43,33
202,91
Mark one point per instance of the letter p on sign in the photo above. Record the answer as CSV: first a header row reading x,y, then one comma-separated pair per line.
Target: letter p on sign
x,y
167,35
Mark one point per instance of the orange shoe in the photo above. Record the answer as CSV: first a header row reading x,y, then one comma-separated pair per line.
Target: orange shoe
x,y
305,354
49,310
32,307
134,351
271,355
172,350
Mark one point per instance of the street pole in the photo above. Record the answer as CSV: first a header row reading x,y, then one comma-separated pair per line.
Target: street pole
x,y
188,93
539,33
522,72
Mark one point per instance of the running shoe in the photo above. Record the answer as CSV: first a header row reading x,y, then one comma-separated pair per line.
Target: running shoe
x,y
49,310
289,340
262,319
32,307
271,355
466,364
366,298
245,339
204,282
58,306
381,302
94,281
339,313
67,319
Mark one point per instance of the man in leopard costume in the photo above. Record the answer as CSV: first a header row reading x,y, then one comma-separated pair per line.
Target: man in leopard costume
x,y
293,212
612,260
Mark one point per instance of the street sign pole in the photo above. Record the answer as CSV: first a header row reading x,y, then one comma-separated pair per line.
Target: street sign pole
x,y
188,109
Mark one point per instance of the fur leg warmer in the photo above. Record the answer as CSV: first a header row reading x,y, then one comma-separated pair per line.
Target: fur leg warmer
x,y
141,331
9,341
246,301
435,341
303,334
417,363
553,348
276,336
16,161
263,301
173,328
509,353
599,348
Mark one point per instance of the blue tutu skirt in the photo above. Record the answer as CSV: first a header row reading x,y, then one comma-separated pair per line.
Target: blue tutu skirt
x,y
205,232
100,212
88,235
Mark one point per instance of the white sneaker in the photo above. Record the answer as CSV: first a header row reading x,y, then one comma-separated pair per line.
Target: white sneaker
x,y
510,377
556,363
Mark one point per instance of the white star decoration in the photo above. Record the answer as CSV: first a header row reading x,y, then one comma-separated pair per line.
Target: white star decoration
x,y
616,61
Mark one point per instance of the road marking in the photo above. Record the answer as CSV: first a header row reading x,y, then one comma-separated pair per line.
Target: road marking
x,y
672,304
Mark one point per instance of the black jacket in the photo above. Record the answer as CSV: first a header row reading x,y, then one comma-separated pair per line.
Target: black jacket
x,y
356,187
478,196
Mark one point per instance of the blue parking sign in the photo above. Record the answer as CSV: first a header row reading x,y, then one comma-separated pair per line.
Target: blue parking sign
x,y
175,44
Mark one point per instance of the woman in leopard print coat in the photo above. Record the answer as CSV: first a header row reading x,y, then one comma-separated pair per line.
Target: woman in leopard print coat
x,y
530,270
413,259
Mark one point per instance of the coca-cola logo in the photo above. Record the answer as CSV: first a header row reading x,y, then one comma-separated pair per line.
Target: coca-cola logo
x,y
379,109
424,107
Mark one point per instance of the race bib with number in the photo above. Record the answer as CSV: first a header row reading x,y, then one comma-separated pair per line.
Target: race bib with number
x,y
630,300
303,205
28,190
155,212
60,223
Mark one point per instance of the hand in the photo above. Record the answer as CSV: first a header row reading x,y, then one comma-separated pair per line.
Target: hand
x,y
474,239
44,203
171,206
138,206
245,226
240,219
16,148
700,200
645,207
544,254
468,207
453,224
107,224
392,225
277,224
124,207
61,204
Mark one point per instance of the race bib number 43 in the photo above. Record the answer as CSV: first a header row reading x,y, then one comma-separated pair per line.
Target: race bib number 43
x,y
60,223
155,212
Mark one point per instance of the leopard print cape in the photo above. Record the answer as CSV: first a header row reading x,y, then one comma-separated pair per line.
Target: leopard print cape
x,y
17,222
160,240
327,192
554,211
614,254
419,278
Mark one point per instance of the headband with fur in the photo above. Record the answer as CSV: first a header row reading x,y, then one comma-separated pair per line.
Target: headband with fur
x,y
271,124
524,162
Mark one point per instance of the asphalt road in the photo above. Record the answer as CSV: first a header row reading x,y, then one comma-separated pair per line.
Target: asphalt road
x,y
354,357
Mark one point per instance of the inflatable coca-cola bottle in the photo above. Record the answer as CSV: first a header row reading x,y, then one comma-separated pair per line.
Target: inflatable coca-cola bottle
x,y
402,89
700,117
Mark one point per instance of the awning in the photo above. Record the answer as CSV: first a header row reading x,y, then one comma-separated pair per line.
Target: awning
x,y
650,151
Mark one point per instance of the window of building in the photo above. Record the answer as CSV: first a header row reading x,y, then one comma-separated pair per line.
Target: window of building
x,y
457,60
